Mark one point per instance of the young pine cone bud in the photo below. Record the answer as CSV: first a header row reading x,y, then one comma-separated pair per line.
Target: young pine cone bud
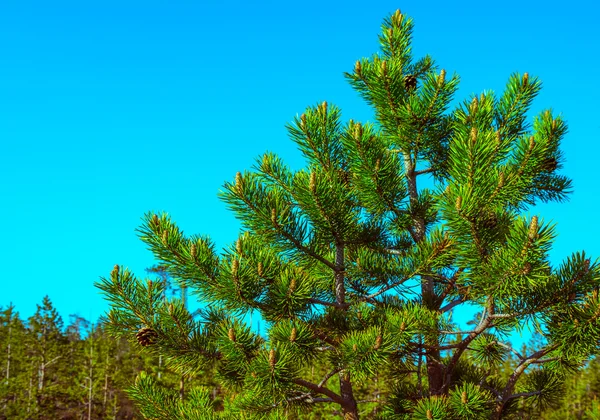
x,y
498,137
238,181
146,336
463,397
397,17
292,286
474,105
115,272
324,107
525,79
238,246
441,77
358,131
260,269
378,341
458,203
403,326
165,237
531,143
231,335
501,180
274,217
235,265
354,347
156,220
312,183
272,360
193,251
384,67
265,163
533,226
358,68
303,121
473,135
586,265
553,125
293,335
377,165
429,415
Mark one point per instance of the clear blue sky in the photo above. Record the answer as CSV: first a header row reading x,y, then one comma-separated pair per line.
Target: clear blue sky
x,y
111,109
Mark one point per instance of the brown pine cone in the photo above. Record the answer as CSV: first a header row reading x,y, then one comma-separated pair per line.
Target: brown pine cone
x,y
146,336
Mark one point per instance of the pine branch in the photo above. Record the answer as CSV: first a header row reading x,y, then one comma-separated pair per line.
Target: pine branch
x,y
320,390
328,376
453,304
523,394
505,395
325,303
484,323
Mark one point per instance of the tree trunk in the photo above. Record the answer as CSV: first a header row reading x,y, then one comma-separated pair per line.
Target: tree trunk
x,y
30,390
115,406
91,374
181,387
105,390
350,407
435,371
8,357
8,351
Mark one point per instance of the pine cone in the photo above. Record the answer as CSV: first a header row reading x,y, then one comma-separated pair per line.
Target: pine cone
x,y
410,82
550,164
146,336
489,220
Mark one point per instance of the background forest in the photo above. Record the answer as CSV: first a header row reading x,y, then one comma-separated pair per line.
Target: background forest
x,y
53,370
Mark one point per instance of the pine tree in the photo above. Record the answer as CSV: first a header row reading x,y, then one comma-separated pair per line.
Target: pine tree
x,y
357,268
46,345
12,355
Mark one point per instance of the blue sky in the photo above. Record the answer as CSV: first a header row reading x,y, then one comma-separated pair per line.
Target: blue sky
x,y
109,110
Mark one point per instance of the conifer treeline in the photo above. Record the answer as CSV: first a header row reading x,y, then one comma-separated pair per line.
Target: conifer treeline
x,y
49,371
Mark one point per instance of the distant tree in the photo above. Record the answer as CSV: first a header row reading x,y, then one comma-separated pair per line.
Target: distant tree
x,y
356,268
12,354
46,345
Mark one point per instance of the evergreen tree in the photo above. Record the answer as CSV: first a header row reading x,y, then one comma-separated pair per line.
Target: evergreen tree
x,y
358,269
46,345
12,363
